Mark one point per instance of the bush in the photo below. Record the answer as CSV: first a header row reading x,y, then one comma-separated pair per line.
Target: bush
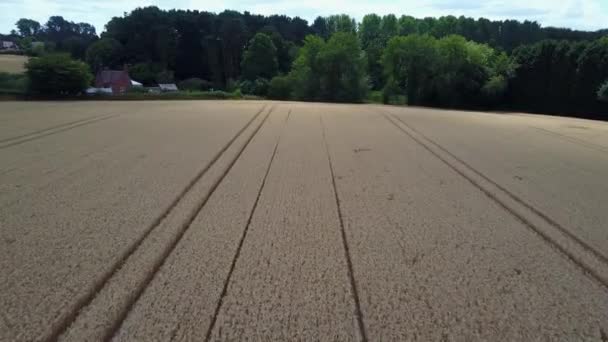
x,y
231,85
57,74
12,83
279,88
602,93
37,50
137,90
246,86
194,84
495,88
375,96
259,87
390,90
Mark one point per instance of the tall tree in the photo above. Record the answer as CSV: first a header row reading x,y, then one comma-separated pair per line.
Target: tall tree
x,y
232,34
320,27
260,58
306,71
409,64
592,71
28,27
341,23
343,71
372,42
407,25
389,27
106,52
147,35
330,71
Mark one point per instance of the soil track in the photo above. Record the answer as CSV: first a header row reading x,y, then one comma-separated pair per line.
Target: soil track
x,y
222,220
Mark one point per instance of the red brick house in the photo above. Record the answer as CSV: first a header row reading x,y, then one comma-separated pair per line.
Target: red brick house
x,y
118,80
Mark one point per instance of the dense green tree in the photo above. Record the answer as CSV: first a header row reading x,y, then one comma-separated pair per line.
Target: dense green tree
x,y
201,44
343,69
409,64
191,51
461,71
407,25
306,70
62,35
506,35
550,69
330,71
320,27
559,76
341,23
57,74
285,48
370,29
445,26
66,35
389,27
28,27
146,73
291,29
147,35
450,71
233,37
260,58
76,46
372,42
592,70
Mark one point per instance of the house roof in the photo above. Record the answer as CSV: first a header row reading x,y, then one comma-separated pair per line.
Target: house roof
x,y
167,86
111,76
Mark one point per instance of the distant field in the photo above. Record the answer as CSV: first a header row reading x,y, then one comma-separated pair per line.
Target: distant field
x,y
12,63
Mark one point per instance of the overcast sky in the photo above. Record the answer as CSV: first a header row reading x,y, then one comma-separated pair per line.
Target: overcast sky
x,y
579,14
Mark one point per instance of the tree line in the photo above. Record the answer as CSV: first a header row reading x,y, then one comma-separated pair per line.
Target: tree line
x,y
447,61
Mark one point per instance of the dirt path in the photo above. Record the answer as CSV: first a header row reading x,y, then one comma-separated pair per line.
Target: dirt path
x,y
290,221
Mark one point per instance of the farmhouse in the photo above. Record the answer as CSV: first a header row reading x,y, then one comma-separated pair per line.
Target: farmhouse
x,y
118,80
8,45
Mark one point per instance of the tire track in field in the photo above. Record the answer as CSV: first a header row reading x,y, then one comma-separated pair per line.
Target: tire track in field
x,y
243,237
516,198
8,142
86,300
171,247
573,140
49,128
349,263
591,261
